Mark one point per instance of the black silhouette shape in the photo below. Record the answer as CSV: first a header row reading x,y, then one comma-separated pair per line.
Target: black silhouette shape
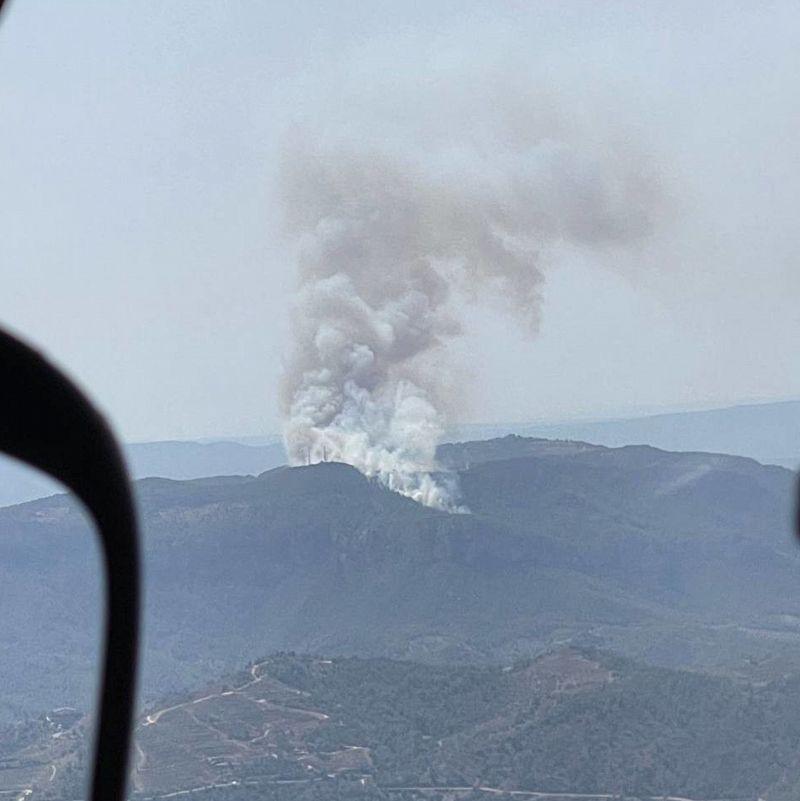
x,y
48,423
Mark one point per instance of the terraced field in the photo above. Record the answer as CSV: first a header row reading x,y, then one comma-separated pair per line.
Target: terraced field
x,y
252,731
37,754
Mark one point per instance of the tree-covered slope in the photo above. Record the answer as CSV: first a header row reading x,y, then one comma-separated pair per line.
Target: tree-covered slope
x,y
568,722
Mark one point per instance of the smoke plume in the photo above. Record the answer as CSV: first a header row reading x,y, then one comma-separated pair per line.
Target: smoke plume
x,y
392,242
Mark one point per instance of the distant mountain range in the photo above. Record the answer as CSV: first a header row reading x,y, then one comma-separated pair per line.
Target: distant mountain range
x,y
177,459
683,560
767,432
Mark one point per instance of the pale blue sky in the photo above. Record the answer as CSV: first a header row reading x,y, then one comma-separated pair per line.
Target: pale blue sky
x,y
139,227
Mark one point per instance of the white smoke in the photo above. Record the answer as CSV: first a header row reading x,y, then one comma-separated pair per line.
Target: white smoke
x,y
390,244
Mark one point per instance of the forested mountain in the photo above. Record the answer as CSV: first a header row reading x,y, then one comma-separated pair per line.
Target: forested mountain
x,y
678,559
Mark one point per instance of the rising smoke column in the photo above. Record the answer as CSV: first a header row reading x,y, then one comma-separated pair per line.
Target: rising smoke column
x,y
389,246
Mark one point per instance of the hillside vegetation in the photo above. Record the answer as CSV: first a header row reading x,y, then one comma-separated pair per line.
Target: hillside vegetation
x,y
568,722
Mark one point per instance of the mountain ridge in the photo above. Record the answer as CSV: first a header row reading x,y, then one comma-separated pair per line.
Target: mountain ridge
x,y
768,432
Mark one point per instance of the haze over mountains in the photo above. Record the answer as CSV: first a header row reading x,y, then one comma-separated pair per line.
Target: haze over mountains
x,y
678,559
767,432
507,619
169,459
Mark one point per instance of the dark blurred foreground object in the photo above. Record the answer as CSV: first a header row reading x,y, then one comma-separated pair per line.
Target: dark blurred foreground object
x,y
48,423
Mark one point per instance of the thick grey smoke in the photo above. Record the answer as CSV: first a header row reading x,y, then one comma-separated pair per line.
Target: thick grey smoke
x,y
392,242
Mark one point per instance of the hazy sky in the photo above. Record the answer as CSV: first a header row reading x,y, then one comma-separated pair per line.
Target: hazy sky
x,y
140,227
